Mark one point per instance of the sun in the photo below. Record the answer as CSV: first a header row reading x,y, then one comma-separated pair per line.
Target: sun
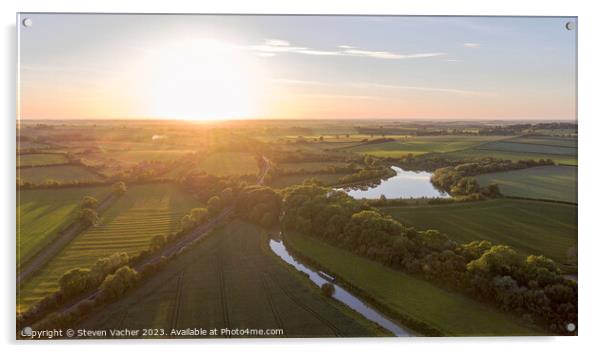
x,y
201,80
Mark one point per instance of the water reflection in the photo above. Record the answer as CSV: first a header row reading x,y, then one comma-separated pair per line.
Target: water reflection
x,y
406,184
340,293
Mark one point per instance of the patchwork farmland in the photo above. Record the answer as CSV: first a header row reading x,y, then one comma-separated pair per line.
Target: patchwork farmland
x,y
141,213
231,278
42,214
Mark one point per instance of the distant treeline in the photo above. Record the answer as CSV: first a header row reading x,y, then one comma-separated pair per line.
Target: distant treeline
x,y
435,130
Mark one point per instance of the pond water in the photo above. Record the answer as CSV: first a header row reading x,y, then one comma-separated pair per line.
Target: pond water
x,y
406,184
340,294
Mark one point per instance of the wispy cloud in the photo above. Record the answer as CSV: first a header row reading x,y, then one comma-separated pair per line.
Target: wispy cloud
x,y
471,45
425,88
339,96
371,85
301,82
278,46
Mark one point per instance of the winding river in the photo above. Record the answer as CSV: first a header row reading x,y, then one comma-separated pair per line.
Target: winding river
x,y
340,294
406,184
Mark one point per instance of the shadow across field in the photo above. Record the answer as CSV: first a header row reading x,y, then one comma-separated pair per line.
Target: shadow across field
x,y
229,281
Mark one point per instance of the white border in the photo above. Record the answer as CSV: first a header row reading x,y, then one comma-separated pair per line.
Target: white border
x,y
590,117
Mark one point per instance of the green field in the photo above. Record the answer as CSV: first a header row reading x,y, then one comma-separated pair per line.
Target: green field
x,y
528,148
547,140
407,296
288,180
230,280
229,163
221,164
513,156
310,166
62,173
24,145
43,213
141,213
549,182
423,144
562,150
532,227
135,156
37,159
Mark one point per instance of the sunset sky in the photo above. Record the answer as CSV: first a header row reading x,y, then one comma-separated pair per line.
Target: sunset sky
x,y
296,67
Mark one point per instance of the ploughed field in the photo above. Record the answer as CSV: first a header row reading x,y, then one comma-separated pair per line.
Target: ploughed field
x,y
127,226
231,280
43,213
409,298
547,182
531,227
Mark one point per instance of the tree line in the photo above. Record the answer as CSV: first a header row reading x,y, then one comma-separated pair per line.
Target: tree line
x,y
531,286
458,180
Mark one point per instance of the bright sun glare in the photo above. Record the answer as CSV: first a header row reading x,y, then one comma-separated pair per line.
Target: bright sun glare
x,y
201,80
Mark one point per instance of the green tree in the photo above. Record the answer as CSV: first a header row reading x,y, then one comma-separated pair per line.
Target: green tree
x,y
89,202
75,281
199,215
499,260
88,216
115,285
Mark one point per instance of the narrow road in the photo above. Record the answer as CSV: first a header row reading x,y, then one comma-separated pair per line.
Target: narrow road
x,y
60,241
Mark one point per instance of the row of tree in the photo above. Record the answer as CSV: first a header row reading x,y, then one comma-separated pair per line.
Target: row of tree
x,y
458,180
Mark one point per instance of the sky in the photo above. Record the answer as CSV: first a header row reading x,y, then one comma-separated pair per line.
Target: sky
x,y
210,67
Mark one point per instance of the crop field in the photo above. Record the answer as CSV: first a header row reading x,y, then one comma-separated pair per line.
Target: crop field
x,y
231,280
548,182
24,145
127,226
37,159
288,180
528,148
547,140
136,156
422,145
562,150
410,297
532,227
229,163
513,156
43,213
62,173
220,164
310,166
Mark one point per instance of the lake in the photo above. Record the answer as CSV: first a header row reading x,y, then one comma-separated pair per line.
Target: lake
x,y
406,184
